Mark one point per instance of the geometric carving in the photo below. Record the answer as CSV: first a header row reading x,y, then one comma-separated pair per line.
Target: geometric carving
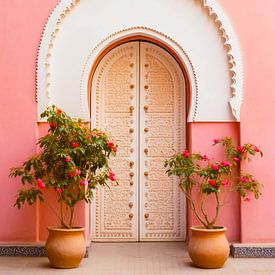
x,y
138,74
164,95
113,93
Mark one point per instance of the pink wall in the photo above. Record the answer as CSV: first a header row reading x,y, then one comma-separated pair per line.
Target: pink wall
x,y
255,27
21,25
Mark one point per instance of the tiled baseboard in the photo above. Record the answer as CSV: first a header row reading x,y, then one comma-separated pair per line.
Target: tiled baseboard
x,y
252,250
28,250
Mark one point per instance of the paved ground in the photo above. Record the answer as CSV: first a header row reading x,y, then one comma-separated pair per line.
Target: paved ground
x,y
136,259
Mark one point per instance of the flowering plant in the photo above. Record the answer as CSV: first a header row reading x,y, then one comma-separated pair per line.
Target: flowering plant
x,y
211,177
72,162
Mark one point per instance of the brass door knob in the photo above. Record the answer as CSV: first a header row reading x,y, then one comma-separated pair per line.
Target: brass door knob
x,y
131,163
131,204
146,174
132,108
146,129
146,107
146,215
131,182
146,87
131,174
146,150
131,215
132,86
131,130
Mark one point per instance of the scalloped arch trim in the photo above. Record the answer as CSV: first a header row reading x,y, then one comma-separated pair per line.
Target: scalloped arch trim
x,y
57,81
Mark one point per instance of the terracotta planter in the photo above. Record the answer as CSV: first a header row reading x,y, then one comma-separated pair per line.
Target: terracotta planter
x,y
65,248
208,248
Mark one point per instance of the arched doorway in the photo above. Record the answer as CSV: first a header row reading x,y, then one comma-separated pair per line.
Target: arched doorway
x,y
138,95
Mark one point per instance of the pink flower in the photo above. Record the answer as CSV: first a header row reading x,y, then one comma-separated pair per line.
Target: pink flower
x,y
112,176
216,140
254,147
205,158
236,159
58,111
110,145
71,174
215,167
68,158
77,172
224,182
185,154
53,124
240,149
58,190
41,184
225,163
247,199
83,182
213,183
243,179
74,144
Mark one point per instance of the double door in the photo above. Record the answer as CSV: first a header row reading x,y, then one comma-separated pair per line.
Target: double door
x,y
138,98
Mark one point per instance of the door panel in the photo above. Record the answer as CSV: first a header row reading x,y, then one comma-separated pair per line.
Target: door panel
x,y
138,98
114,90
162,212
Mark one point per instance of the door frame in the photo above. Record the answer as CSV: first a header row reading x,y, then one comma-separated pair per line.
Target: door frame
x,y
156,42
142,38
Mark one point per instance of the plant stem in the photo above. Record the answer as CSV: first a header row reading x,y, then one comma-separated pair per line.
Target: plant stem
x,y
204,214
61,212
71,217
61,221
218,206
193,206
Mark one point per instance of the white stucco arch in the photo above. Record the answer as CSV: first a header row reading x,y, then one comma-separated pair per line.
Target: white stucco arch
x,y
199,31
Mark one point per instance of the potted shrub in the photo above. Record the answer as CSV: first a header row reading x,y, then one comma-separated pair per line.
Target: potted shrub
x,y
208,246
72,162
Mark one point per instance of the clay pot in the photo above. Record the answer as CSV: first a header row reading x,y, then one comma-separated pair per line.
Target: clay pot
x,y
208,248
65,248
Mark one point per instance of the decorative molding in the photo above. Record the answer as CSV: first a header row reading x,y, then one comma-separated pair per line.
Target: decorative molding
x,y
49,33
214,11
233,52
130,32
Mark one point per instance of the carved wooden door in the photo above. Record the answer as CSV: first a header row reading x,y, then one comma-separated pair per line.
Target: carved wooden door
x,y
138,98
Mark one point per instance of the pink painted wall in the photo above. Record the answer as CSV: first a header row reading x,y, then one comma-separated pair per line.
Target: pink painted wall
x,y
255,27
21,25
